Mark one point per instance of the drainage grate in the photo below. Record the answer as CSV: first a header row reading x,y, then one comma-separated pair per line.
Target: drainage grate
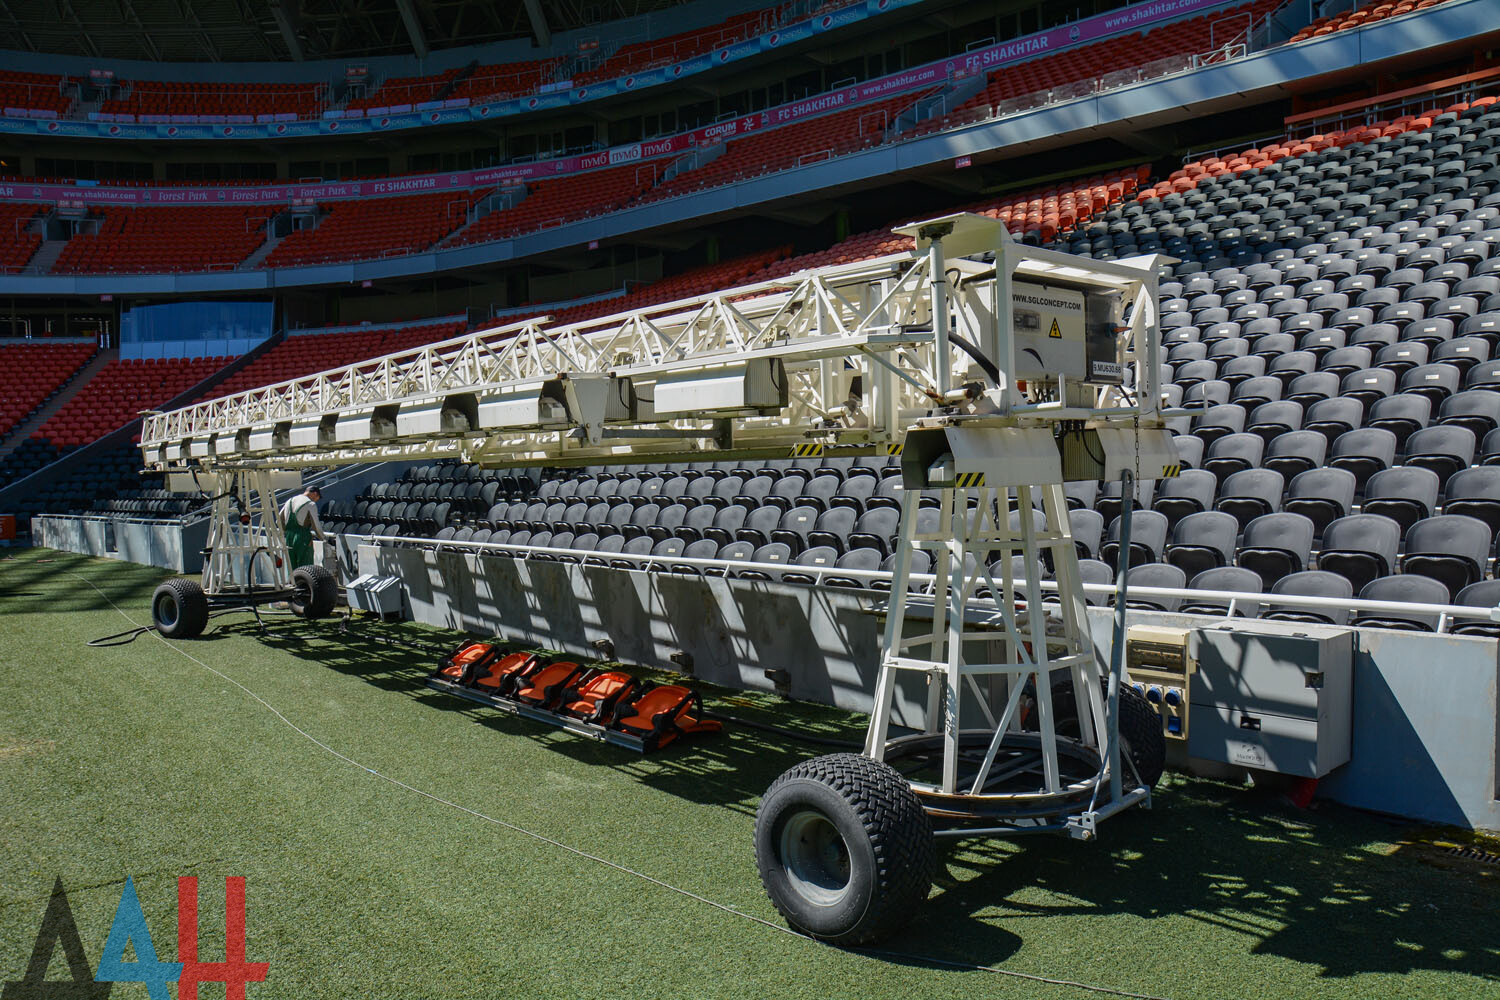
x,y
1470,854
1477,860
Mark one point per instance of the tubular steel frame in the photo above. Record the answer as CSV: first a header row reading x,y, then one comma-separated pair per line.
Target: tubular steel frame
x,y
886,322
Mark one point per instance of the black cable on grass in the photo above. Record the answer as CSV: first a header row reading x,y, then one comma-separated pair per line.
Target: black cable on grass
x,y
605,862
131,635
791,734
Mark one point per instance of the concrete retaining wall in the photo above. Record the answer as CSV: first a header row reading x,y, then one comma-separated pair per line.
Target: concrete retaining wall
x,y
165,544
1426,729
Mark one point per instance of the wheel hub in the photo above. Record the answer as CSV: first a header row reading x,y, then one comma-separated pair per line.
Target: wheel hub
x,y
166,610
815,858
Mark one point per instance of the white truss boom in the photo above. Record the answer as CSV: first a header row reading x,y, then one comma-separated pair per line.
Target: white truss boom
x,y
844,354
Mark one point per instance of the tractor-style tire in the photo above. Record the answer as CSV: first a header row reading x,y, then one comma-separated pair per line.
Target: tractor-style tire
x,y
314,592
179,609
844,848
1141,736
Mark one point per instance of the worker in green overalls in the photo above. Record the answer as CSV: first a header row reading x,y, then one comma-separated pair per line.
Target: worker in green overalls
x,y
301,516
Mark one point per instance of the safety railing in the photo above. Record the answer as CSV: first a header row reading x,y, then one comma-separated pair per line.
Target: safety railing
x,y
1416,101
1061,94
145,102
33,100
1235,600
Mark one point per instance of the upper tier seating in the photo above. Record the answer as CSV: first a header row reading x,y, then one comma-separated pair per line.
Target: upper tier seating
x,y
149,100
165,240
503,80
1087,63
404,91
377,227
116,395
1378,238
791,145
34,371
306,353
16,245
22,92
550,203
495,81
1344,20
638,56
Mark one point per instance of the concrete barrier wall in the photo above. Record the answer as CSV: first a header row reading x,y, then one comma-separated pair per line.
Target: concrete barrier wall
x,y
1426,729
164,544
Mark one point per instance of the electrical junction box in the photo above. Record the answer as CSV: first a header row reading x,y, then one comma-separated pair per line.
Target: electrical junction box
x,y
1061,330
1160,667
381,594
1272,696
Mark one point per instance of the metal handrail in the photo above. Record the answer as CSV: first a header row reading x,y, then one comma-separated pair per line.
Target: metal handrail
x,y
1445,612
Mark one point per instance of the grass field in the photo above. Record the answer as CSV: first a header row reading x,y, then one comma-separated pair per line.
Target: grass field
x,y
140,761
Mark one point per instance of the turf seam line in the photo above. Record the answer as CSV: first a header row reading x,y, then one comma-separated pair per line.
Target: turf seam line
x,y
579,852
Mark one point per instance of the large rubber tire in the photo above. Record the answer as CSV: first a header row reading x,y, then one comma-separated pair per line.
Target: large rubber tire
x,y
314,592
844,848
1141,737
179,609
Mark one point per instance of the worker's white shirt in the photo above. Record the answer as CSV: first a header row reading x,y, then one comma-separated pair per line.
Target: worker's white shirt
x,y
304,510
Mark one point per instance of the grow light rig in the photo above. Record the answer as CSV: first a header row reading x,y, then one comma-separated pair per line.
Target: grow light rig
x,y
995,370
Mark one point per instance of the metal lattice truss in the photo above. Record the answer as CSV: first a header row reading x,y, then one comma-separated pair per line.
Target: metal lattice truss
x,y
998,369
839,355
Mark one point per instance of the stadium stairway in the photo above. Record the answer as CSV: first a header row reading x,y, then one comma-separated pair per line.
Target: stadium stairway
x,y
261,252
46,256
21,496
69,389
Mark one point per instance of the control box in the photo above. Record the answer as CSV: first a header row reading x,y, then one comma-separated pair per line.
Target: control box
x,y
1160,668
1273,696
380,594
1060,329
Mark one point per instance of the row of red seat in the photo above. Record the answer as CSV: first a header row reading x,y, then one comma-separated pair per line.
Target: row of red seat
x,y
123,388
802,142
496,80
1040,212
33,372
43,92
117,394
1344,20
1257,158
361,230
1087,63
159,240
32,92
636,57
17,245
563,199
165,97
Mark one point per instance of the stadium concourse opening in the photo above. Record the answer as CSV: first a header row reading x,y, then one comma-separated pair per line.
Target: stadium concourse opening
x,y
766,465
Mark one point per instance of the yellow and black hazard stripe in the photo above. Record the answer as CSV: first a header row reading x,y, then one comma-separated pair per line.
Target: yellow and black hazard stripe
x,y
968,480
808,450
893,449
1171,471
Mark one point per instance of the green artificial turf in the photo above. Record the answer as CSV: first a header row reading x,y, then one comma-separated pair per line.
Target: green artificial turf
x,y
138,761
